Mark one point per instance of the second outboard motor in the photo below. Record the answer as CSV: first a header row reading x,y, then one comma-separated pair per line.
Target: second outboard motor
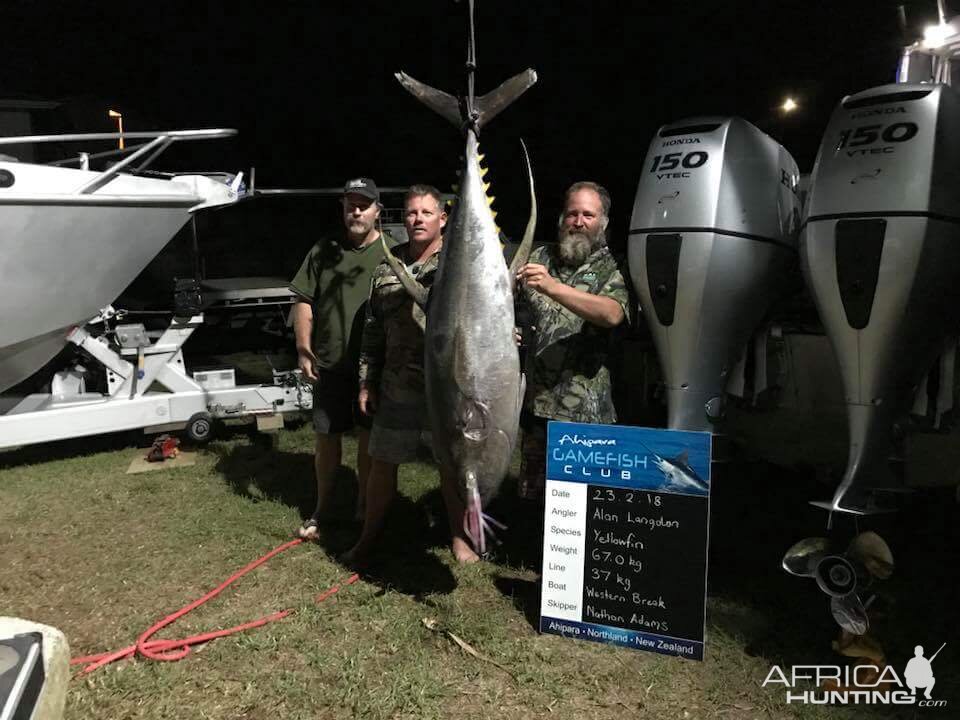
x,y
880,251
712,241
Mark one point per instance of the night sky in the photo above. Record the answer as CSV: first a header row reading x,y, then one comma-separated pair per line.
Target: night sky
x,y
310,85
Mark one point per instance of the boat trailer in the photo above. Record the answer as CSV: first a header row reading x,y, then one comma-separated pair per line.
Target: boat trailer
x,y
135,365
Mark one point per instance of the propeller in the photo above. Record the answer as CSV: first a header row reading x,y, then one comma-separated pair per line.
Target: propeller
x,y
843,577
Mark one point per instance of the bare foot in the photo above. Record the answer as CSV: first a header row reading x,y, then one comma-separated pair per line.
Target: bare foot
x,y
463,552
309,531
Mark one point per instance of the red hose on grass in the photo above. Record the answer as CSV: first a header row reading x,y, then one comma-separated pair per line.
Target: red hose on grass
x,y
171,650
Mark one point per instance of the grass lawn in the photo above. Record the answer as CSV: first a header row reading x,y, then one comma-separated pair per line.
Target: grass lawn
x,y
102,555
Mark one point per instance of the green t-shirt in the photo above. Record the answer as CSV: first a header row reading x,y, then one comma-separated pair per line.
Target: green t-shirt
x,y
335,278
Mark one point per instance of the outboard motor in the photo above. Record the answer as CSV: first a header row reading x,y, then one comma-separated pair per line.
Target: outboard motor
x,y
713,238
880,250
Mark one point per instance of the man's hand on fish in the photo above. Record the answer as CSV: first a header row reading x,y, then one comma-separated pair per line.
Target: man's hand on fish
x,y
367,400
536,277
518,334
306,361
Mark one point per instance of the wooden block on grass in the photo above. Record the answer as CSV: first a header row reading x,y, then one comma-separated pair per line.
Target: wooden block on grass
x,y
267,423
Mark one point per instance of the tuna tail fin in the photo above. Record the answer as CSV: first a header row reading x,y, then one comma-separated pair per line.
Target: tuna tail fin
x,y
490,105
456,112
442,103
526,244
417,291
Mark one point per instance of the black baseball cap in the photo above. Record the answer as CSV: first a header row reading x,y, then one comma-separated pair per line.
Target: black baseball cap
x,y
362,186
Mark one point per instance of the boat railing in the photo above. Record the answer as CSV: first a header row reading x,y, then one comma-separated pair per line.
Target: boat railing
x,y
159,141
933,59
389,213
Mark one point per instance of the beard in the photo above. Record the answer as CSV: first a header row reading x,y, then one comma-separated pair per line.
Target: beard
x,y
575,246
359,229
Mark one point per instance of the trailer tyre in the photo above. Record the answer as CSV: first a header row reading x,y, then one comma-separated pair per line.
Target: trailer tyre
x,y
200,427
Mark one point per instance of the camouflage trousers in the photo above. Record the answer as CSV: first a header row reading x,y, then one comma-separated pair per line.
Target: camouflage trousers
x,y
533,457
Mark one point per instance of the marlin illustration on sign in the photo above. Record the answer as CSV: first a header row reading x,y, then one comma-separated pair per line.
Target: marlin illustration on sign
x,y
474,385
679,474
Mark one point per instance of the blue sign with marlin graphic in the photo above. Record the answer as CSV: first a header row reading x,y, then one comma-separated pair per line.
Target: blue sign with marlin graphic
x,y
626,520
675,461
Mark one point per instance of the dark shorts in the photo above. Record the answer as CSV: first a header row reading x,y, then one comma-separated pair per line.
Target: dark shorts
x,y
335,408
533,456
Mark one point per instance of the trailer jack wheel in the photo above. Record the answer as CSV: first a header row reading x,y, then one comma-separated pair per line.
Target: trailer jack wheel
x,y
200,427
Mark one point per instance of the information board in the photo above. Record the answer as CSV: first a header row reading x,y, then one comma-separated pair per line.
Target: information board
x,y
625,536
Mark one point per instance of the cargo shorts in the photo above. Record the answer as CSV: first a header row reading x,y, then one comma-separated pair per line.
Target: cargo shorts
x,y
400,428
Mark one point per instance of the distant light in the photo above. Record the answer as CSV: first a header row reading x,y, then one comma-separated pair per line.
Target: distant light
x,y
113,113
789,105
936,35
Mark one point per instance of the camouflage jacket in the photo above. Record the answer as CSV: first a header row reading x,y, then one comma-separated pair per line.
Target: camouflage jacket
x,y
391,352
567,377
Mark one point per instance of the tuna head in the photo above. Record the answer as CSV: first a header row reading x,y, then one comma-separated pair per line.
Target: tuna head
x,y
478,449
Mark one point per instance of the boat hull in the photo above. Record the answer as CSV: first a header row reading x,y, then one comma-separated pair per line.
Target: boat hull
x,y
64,257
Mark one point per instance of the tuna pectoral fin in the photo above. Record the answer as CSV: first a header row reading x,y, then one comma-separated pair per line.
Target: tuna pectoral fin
x,y
526,245
440,102
417,291
491,104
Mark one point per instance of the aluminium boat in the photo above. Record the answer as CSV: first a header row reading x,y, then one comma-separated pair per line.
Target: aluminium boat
x,y
71,238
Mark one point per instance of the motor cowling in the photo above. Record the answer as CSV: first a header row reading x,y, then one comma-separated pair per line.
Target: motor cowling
x,y
713,242
880,250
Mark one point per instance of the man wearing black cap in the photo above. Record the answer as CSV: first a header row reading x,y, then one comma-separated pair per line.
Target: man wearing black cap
x,y
332,287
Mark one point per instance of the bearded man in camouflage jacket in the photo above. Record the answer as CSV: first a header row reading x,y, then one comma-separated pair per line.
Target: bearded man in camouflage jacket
x,y
576,296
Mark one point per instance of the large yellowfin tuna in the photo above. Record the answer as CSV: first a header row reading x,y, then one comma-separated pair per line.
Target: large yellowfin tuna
x,y
474,384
